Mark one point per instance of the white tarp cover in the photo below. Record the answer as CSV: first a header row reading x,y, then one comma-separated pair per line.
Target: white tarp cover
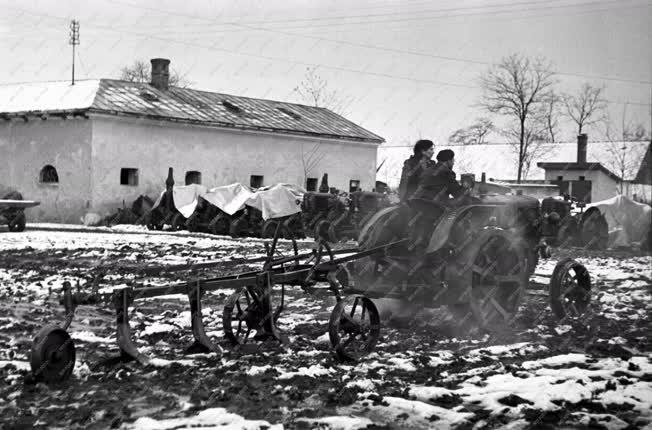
x,y
274,201
628,221
277,201
185,198
229,198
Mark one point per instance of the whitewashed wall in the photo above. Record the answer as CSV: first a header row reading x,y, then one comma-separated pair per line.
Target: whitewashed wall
x,y
222,156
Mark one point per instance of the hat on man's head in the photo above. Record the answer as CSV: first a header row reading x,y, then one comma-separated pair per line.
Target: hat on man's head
x,y
445,155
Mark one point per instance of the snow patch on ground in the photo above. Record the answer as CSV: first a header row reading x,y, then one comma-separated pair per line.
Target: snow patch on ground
x,y
214,418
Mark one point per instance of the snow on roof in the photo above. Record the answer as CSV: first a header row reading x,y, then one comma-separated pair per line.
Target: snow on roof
x,y
188,105
498,161
47,96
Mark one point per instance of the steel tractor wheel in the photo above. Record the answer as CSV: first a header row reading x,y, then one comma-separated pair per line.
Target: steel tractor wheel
x,y
17,222
178,222
220,225
492,272
53,355
354,327
570,289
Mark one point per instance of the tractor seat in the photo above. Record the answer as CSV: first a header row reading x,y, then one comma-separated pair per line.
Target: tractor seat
x,y
423,218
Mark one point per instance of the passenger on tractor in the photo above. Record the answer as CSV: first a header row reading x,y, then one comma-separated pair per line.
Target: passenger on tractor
x,y
433,197
437,182
414,166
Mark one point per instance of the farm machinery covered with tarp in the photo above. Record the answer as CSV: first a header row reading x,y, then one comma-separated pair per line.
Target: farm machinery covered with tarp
x,y
239,210
626,221
618,221
12,210
475,258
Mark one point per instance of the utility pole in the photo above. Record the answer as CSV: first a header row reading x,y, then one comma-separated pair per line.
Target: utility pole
x,y
74,41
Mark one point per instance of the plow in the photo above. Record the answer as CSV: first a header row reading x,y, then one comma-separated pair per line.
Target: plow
x,y
475,259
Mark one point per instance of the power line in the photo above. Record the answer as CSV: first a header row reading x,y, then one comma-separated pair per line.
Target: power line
x,y
381,48
272,58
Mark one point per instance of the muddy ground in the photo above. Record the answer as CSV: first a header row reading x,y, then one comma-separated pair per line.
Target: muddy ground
x,y
425,373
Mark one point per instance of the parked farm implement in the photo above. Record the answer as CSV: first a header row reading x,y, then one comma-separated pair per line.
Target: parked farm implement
x,y
12,211
476,259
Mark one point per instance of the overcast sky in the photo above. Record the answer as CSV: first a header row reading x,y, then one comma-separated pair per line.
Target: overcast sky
x,y
410,67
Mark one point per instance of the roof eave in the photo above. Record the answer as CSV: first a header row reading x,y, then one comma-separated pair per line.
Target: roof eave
x,y
378,141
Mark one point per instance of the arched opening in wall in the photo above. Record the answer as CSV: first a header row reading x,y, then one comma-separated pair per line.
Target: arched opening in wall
x,y
49,175
193,177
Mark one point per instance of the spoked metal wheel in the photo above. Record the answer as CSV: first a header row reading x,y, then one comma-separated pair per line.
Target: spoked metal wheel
x,y
53,355
494,269
570,289
243,317
354,327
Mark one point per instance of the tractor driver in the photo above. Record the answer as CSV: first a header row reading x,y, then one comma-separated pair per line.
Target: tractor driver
x,y
437,182
414,167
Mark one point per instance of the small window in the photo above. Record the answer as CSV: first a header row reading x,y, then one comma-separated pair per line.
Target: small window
x,y
256,181
560,178
582,178
128,176
311,184
354,185
49,175
193,177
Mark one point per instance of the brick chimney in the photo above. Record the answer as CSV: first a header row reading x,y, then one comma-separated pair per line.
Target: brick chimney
x,y
160,73
581,148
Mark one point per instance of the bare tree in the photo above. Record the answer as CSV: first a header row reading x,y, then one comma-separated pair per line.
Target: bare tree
x,y
475,134
517,87
587,107
141,71
310,159
314,90
550,116
534,141
619,156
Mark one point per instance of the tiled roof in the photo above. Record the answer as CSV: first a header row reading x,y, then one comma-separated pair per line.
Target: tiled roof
x,y
178,104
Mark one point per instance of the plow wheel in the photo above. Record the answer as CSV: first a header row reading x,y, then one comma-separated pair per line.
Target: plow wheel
x,y
354,327
52,357
570,289
495,270
17,223
243,317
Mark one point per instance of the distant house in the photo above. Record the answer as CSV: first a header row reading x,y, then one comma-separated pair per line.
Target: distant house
x,y
90,146
591,181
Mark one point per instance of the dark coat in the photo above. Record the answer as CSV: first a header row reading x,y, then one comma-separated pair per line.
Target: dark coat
x,y
412,170
437,183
